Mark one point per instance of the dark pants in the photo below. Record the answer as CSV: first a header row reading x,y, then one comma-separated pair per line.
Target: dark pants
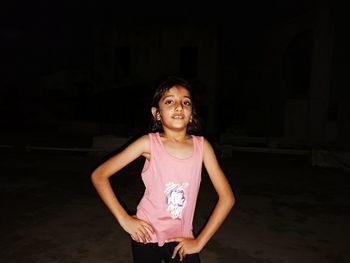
x,y
152,253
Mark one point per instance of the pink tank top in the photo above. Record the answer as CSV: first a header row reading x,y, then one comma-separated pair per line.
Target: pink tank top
x,y
172,187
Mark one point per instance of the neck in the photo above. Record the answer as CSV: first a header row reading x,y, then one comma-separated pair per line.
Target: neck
x,y
178,136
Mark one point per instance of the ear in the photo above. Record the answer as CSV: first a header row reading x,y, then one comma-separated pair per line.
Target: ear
x,y
154,111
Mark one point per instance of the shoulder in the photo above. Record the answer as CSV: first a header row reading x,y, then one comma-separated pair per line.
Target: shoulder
x,y
198,138
138,145
206,143
142,141
209,157
143,144
208,148
202,141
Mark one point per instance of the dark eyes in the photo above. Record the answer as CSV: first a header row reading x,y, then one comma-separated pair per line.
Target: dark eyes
x,y
187,103
170,102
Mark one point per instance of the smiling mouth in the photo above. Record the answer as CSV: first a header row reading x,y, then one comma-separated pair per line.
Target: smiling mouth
x,y
178,117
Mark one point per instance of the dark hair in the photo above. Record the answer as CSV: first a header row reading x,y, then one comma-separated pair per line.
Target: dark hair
x,y
167,84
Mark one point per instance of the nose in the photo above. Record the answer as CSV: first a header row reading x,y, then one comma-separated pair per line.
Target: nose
x,y
179,107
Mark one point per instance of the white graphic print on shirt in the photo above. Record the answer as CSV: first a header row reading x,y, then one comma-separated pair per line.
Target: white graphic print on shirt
x,y
175,198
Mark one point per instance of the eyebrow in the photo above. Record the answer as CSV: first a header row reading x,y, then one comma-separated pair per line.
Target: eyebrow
x,y
188,97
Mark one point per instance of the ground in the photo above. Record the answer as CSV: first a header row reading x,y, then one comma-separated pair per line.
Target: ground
x,y
287,211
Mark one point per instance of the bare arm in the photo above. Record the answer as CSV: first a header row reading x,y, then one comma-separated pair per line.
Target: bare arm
x,y
220,212
224,191
100,179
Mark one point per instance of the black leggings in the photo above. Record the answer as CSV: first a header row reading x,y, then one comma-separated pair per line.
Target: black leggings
x,y
152,253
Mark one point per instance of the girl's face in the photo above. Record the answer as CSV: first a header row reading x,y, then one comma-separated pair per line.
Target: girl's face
x,y
175,108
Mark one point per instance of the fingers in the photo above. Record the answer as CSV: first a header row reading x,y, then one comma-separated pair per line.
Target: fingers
x,y
178,249
135,238
182,248
145,235
138,236
141,230
141,238
182,253
148,226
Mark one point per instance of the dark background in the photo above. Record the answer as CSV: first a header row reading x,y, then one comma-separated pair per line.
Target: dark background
x,y
271,84
275,70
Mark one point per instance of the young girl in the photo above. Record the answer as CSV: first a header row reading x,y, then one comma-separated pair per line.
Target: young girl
x,y
162,226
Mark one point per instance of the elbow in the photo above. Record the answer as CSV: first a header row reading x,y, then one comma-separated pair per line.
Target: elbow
x,y
96,177
93,177
99,175
230,200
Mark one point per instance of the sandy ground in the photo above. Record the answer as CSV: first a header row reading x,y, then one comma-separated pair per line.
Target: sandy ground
x,y
286,211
